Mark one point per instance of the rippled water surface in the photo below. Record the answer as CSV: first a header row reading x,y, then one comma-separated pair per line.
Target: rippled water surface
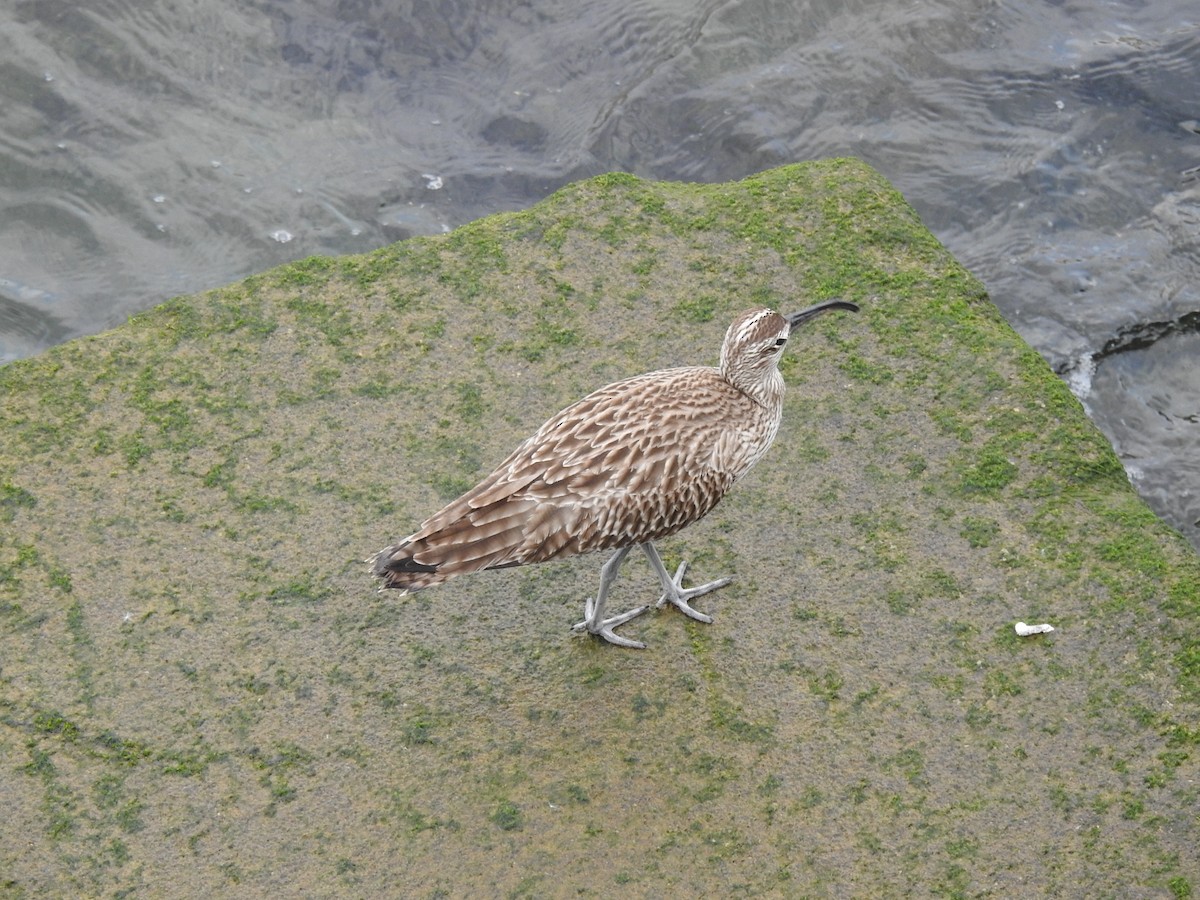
x,y
154,148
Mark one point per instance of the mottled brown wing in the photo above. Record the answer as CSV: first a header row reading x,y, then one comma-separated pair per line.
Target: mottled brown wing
x,y
631,462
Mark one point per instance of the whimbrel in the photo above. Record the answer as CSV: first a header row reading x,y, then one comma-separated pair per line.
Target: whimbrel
x,y
628,464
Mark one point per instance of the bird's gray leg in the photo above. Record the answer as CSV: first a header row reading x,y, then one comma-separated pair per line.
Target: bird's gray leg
x,y
593,610
673,590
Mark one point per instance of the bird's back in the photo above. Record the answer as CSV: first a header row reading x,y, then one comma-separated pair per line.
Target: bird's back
x,y
631,462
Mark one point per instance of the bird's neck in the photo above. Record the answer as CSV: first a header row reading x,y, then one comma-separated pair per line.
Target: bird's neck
x,y
766,392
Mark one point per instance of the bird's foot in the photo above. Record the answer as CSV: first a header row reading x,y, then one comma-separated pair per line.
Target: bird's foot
x,y
604,627
678,596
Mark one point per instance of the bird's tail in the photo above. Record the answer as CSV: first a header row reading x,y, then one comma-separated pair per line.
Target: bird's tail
x,y
428,558
396,568
462,539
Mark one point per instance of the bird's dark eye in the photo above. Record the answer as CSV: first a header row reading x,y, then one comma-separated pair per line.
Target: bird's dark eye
x,y
779,342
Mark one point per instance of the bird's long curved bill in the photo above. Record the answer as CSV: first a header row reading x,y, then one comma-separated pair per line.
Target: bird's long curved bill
x,y
816,309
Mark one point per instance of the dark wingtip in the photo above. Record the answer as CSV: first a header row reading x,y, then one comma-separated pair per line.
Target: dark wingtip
x,y
804,315
386,564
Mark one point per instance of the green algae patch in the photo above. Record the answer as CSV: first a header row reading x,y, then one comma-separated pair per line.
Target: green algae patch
x,y
201,693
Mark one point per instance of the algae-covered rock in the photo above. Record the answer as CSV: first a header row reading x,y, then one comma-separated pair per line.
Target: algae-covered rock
x,y
201,693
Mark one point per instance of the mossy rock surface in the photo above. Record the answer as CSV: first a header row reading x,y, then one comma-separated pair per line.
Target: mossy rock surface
x,y
201,693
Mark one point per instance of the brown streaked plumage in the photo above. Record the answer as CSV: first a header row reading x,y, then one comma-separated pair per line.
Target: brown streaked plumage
x,y
628,464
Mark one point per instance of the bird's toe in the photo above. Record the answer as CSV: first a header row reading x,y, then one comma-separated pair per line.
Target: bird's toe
x,y
678,596
604,628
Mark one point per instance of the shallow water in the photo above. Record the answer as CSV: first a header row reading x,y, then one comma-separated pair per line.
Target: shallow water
x,y
153,149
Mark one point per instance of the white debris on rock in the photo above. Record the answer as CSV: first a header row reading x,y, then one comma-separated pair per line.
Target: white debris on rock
x,y
1026,630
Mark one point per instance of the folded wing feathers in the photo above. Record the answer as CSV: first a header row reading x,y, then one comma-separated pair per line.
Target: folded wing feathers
x,y
628,463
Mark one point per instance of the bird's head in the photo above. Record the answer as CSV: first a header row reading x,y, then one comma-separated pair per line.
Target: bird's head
x,y
755,342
